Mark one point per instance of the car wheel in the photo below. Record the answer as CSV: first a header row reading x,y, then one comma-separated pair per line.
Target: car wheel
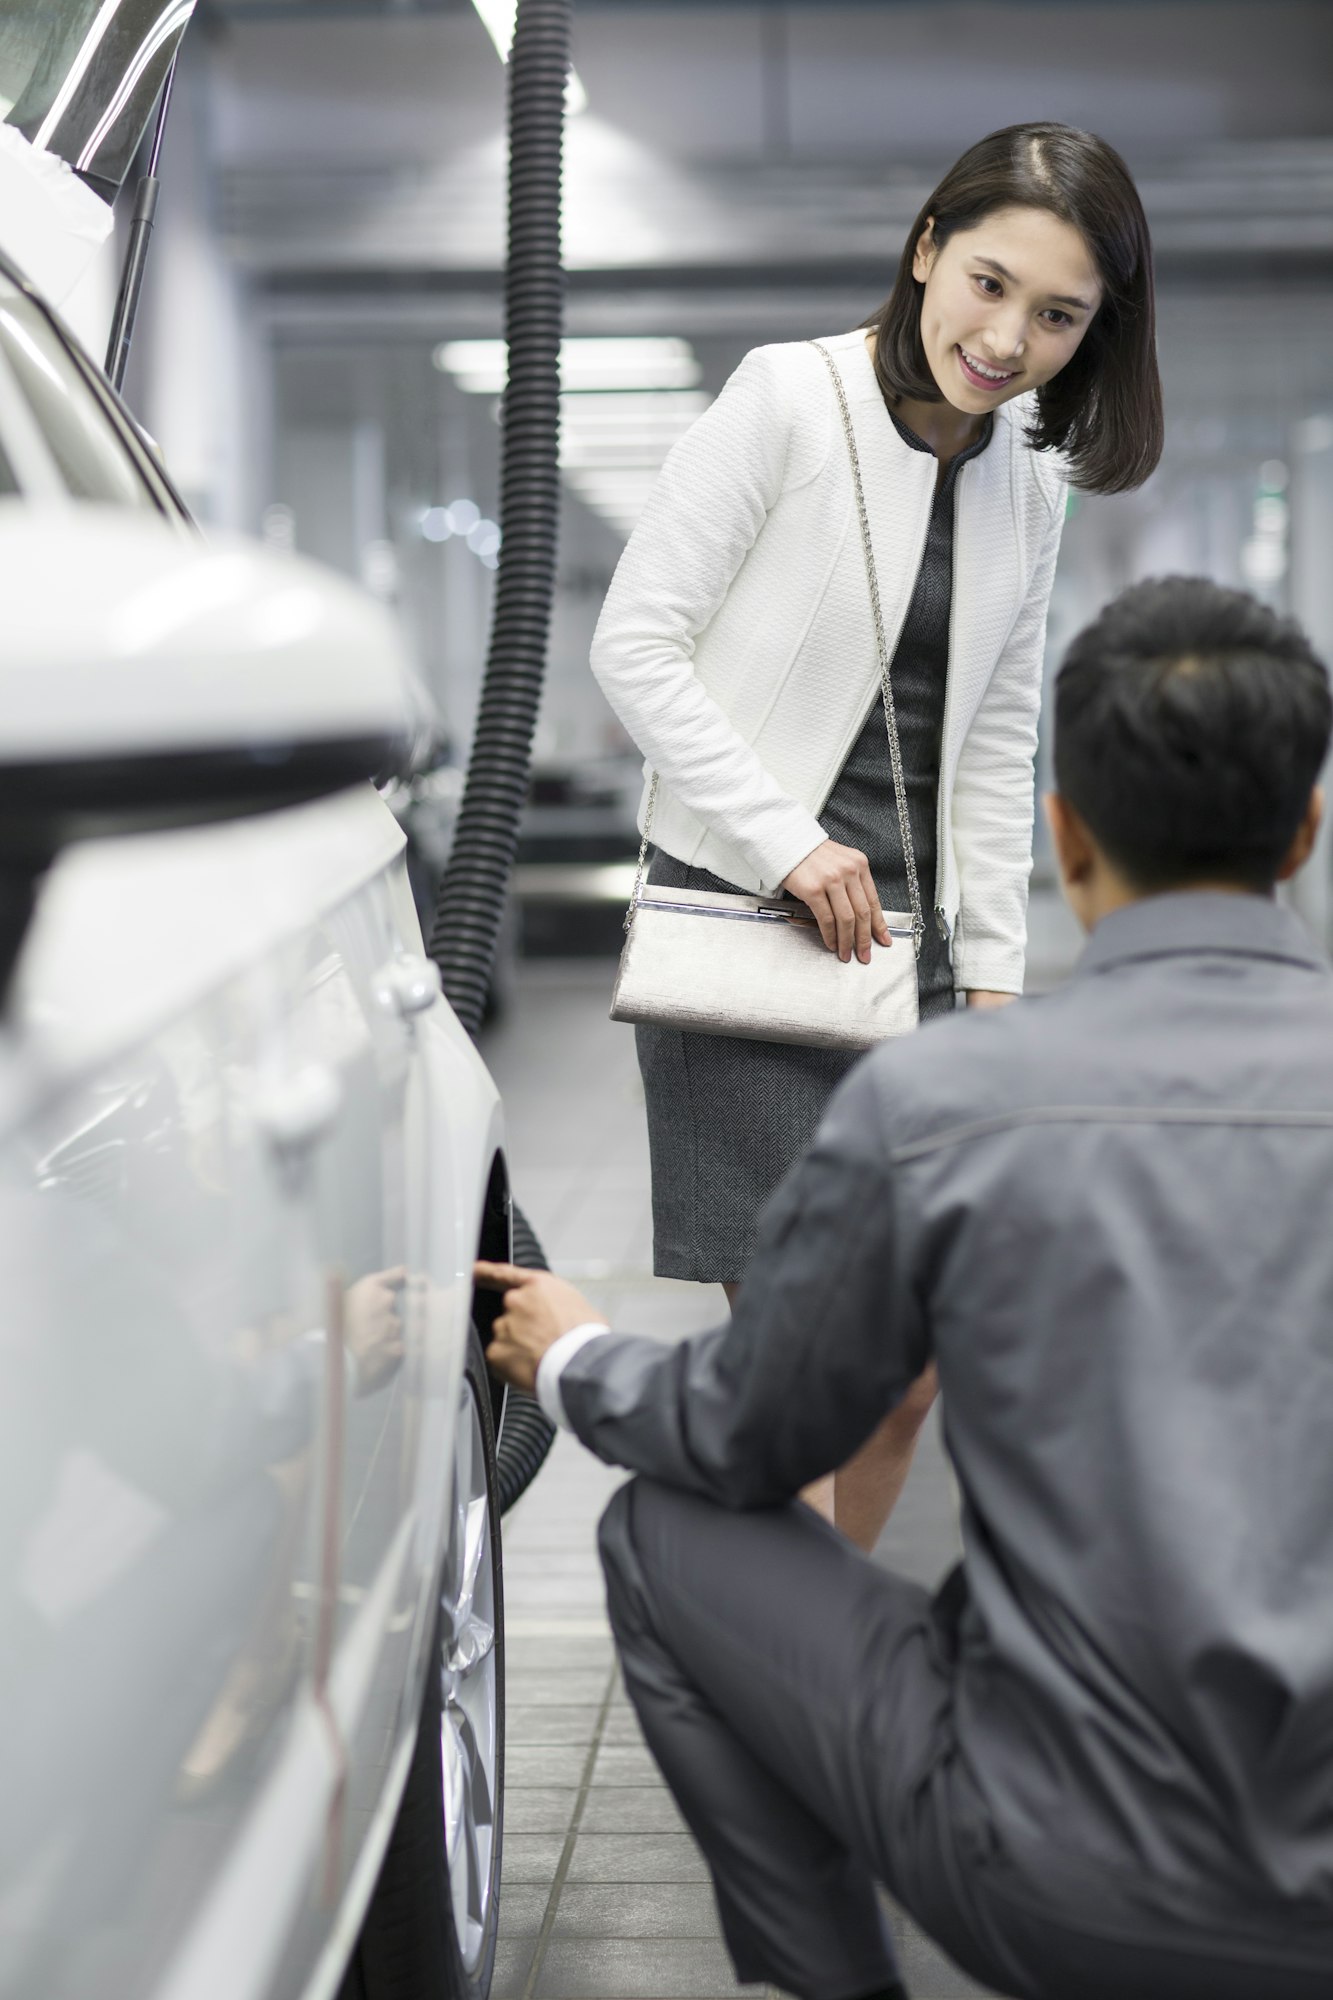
x,y
429,1933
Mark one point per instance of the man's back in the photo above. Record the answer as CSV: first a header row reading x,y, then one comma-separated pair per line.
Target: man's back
x,y
1114,1203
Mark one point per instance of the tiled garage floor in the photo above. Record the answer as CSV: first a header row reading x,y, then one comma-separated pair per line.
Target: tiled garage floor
x,y
605,1893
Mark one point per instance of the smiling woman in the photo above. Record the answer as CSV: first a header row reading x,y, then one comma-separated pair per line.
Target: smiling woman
x,y
1030,270
827,636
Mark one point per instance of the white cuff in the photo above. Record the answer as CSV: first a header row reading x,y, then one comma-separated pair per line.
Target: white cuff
x,y
554,1363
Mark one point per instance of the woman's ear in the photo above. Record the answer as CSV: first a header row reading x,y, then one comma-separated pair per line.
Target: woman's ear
x,y
927,250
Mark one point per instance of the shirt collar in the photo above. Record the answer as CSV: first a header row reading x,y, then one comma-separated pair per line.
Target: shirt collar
x,y
1199,920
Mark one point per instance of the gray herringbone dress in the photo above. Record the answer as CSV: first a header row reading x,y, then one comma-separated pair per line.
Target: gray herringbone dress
x,y
726,1117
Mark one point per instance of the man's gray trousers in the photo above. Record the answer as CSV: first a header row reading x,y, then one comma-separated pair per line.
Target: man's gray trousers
x,y
799,1702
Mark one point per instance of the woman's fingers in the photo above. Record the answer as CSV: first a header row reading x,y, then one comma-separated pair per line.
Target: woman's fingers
x,y
838,889
844,914
821,910
879,923
865,920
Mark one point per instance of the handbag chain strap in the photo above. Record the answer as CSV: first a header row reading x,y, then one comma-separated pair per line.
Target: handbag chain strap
x,y
886,689
882,646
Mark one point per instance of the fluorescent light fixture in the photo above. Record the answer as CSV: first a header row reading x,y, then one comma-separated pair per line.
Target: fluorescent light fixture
x,y
635,362
499,17
625,400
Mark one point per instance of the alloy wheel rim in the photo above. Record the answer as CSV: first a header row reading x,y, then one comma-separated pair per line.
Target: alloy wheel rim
x,y
469,1710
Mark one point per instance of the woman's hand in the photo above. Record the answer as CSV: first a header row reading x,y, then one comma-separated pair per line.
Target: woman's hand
x,y
979,997
837,885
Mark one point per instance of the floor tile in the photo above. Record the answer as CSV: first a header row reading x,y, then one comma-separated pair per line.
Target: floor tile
x,y
621,1730
531,1685
619,1764
637,1910
636,1857
546,1723
523,1908
531,1857
631,1809
513,1962
539,1810
543,1765
625,1968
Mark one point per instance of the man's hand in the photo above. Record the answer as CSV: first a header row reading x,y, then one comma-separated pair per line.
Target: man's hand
x,y
538,1308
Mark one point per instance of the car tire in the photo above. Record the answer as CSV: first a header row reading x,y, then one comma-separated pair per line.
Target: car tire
x,y
430,1930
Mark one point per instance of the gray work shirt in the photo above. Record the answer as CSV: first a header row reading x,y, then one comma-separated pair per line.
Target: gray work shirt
x,y
1108,1214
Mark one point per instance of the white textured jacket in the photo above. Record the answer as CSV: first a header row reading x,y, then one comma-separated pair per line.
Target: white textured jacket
x,y
737,646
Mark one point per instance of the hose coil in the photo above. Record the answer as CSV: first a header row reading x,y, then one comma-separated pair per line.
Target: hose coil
x,y
476,880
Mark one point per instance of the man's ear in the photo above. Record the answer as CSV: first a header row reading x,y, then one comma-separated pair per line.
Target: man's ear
x,y
1075,854
1302,847
927,250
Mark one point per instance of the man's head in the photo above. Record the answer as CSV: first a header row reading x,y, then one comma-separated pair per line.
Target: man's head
x,y
1191,724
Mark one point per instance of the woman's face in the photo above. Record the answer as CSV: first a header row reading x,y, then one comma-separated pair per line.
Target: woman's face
x,y
1005,305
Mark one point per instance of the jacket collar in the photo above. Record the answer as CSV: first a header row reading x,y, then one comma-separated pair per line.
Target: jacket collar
x,y
1194,920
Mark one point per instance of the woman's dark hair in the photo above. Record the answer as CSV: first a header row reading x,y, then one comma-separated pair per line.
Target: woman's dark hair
x,y
1104,408
1191,723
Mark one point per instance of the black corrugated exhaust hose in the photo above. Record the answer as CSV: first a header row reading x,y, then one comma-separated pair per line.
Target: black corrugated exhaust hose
x,y
527,1433
476,881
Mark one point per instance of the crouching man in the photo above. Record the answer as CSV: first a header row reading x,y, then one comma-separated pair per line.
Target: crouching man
x,y
1100,1761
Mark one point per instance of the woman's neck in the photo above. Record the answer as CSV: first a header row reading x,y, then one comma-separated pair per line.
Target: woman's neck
x,y
946,430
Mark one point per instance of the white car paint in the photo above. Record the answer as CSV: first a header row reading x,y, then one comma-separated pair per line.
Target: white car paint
x,y
53,223
233,1109
173,643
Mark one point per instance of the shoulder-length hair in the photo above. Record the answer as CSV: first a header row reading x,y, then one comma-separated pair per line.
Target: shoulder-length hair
x,y
1104,408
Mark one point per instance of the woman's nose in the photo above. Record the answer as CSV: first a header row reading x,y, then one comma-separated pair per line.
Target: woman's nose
x,y
1008,339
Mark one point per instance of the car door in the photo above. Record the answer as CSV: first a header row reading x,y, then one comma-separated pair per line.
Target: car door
x,y
160,1562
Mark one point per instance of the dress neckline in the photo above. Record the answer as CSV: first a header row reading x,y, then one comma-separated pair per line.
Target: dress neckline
x,y
974,450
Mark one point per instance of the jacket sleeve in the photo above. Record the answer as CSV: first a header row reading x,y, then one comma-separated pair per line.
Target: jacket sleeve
x,y
714,494
826,1337
992,792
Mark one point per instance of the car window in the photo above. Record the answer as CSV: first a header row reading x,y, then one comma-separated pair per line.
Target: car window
x,y
92,457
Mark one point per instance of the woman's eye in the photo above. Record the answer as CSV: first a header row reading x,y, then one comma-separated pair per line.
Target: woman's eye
x,y
1058,318
993,282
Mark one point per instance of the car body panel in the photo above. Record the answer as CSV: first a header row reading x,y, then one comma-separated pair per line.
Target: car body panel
x,y
222,1522
247,1156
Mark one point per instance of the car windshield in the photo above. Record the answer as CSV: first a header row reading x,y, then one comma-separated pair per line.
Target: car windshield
x,y
56,435
79,78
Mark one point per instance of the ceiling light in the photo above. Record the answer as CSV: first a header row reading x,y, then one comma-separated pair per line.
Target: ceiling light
x,y
638,362
499,17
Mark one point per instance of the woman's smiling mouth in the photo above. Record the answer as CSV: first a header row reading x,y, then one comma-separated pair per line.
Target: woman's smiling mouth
x,y
982,376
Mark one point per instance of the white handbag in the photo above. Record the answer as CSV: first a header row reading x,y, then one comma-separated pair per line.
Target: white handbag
x,y
756,966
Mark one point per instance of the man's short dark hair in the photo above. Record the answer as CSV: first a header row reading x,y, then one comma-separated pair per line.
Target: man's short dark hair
x,y
1191,724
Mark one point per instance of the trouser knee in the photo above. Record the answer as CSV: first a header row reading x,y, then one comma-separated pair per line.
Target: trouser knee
x,y
637,1531
620,1560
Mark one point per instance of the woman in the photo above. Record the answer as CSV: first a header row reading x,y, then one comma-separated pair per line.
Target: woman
x,y
736,643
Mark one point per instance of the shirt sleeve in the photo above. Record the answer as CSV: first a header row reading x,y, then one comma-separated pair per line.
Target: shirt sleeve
x,y
826,1337
553,1364
707,509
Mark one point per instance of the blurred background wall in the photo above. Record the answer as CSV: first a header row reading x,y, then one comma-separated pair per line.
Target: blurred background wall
x,y
332,235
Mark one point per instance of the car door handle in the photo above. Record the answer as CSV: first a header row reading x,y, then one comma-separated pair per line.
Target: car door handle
x,y
408,986
295,1111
